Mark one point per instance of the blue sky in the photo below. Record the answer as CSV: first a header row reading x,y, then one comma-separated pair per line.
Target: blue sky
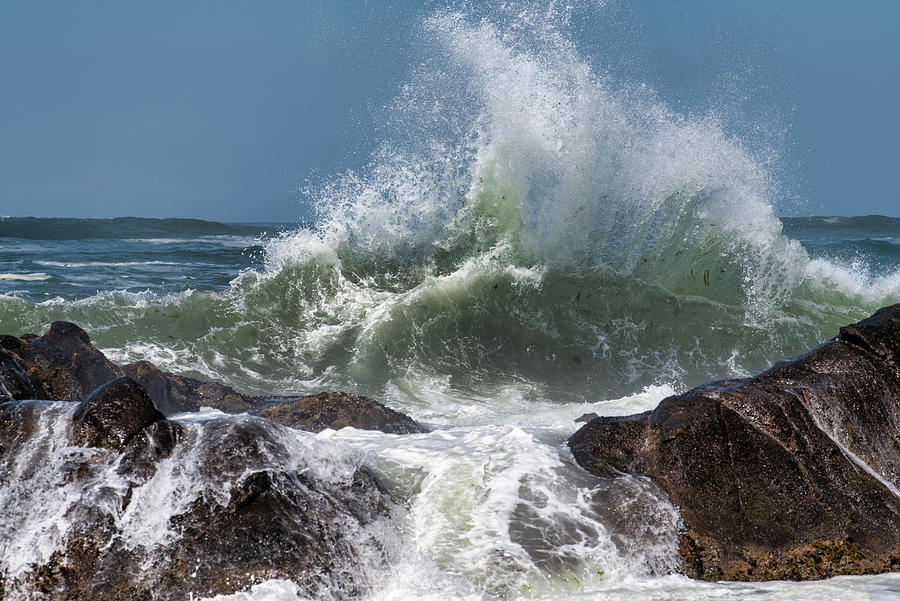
x,y
221,109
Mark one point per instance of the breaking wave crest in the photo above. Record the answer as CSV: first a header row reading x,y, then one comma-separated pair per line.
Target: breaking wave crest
x,y
530,224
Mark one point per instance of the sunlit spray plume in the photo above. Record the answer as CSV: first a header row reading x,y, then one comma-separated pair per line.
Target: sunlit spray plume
x,y
529,222
534,239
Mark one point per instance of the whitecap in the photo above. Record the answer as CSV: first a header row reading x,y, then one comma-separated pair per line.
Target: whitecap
x,y
24,277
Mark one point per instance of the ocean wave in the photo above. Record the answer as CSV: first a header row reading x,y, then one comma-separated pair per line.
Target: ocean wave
x,y
535,227
24,277
223,240
106,263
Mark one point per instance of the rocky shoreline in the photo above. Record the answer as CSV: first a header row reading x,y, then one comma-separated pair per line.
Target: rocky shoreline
x,y
72,419
792,474
63,365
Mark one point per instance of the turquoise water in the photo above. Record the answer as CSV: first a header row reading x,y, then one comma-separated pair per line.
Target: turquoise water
x,y
268,307
531,242
500,358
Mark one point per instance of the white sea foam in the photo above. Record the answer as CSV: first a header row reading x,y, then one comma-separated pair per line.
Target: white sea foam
x,y
112,264
270,590
617,250
35,519
495,510
24,277
228,241
852,278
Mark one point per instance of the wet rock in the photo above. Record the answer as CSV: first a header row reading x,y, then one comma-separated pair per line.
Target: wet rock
x,y
337,410
14,384
149,508
113,414
143,452
175,394
792,474
63,365
187,509
18,422
274,513
276,525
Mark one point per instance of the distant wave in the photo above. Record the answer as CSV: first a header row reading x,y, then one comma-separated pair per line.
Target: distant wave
x,y
24,277
864,226
533,225
104,263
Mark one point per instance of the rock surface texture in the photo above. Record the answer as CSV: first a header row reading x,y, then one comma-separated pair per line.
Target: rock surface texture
x,y
337,410
792,474
158,510
106,499
63,365
113,414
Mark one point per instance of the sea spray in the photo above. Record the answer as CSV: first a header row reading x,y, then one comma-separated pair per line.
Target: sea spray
x,y
501,524
142,508
533,240
562,234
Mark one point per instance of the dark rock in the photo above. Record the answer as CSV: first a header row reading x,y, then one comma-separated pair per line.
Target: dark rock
x,y
792,474
66,336
63,365
248,507
175,394
144,451
18,422
244,507
338,410
113,414
276,514
14,384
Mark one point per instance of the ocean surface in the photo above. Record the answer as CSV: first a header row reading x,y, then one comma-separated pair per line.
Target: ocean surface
x,y
498,355
537,242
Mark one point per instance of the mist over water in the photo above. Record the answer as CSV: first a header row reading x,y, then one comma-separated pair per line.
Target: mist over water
x,y
533,240
530,223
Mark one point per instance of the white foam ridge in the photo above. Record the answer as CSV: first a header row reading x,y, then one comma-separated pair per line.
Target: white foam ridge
x,y
24,277
110,263
497,511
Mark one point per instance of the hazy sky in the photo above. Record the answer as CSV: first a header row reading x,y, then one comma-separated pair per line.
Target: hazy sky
x,y
221,109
